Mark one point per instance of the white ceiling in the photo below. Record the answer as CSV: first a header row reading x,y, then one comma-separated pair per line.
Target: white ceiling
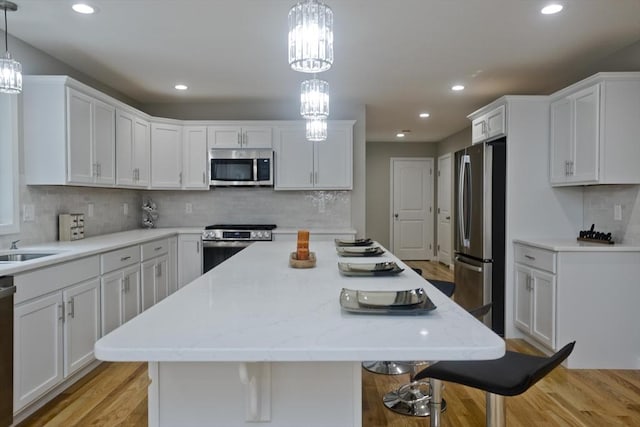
x,y
398,57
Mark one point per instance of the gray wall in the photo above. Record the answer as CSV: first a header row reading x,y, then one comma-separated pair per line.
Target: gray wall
x,y
378,182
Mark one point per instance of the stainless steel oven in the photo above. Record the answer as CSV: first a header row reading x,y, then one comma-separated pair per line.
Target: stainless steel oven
x,y
221,241
241,167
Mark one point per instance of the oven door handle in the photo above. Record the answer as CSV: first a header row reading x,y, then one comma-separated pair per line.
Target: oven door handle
x,y
226,243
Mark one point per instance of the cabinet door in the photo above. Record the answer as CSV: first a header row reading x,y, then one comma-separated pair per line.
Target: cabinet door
x,y
293,159
173,264
161,283
80,137
561,141
111,291
141,151
586,135
333,160
496,123
148,283
543,309
224,136
257,137
82,324
130,294
478,130
104,141
166,156
190,255
38,364
522,314
195,158
124,148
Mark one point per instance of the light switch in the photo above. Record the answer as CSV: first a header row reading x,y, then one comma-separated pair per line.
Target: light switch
x,y
617,212
28,213
188,208
125,208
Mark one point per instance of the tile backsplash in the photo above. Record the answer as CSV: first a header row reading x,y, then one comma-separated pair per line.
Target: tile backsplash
x,y
286,209
599,202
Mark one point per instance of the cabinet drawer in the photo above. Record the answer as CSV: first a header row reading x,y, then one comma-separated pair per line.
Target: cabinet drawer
x,y
154,249
120,258
44,280
541,259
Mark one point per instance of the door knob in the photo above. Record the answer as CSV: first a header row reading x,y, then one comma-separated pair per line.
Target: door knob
x,y
448,217
396,215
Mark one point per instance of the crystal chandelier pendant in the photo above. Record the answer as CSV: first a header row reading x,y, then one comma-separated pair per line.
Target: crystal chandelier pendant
x,y
10,75
314,99
316,129
310,37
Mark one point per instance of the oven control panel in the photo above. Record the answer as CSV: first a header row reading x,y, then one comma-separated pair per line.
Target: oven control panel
x,y
231,235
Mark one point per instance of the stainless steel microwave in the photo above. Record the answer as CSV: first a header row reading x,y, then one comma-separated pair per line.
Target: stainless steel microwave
x,y
241,168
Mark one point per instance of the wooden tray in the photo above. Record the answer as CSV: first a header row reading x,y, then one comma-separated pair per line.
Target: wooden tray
x,y
302,263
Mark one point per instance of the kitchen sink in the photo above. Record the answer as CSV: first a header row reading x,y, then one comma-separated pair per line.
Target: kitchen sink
x,y
23,256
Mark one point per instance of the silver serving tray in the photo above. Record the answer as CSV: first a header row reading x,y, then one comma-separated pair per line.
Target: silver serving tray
x,y
367,270
360,251
405,302
353,242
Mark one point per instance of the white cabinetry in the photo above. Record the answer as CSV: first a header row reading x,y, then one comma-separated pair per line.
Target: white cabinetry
x,y
301,164
166,156
488,125
155,272
71,139
120,287
190,258
594,128
535,293
173,264
195,159
133,144
56,323
239,136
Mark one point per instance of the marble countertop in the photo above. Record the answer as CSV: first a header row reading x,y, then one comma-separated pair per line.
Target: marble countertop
x,y
254,307
312,230
67,251
573,245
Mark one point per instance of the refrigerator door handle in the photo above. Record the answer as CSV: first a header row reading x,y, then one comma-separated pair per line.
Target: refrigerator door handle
x,y
462,212
463,264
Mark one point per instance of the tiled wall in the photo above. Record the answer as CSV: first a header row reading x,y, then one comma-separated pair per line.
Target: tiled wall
x,y
599,201
286,209
49,201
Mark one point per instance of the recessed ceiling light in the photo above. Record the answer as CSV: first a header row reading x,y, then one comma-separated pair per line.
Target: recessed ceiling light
x,y
83,8
424,115
551,9
400,134
181,87
457,87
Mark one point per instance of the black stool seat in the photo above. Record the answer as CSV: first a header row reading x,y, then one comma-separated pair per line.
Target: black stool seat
x,y
447,288
510,375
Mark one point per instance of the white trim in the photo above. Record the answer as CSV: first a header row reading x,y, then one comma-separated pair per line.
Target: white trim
x,y
450,208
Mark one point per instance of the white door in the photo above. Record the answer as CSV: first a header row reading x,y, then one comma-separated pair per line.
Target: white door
x,y
141,149
412,208
131,293
257,137
111,295
190,253
522,315
333,160
82,324
166,156
293,159
161,278
124,148
195,157
148,283
444,209
104,140
80,137
543,308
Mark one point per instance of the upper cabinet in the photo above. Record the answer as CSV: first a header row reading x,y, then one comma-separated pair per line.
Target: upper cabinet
x,y
239,136
486,125
133,144
195,159
595,125
303,165
69,133
166,156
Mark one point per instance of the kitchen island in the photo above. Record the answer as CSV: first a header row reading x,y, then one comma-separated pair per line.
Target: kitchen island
x,y
254,340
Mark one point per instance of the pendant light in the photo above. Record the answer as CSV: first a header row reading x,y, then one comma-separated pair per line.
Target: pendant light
x,y
10,69
314,99
310,36
316,129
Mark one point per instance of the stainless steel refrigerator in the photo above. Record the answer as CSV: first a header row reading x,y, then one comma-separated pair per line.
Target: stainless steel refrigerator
x,y
479,250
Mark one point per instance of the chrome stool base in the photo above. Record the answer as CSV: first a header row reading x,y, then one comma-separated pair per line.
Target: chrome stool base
x,y
386,368
411,399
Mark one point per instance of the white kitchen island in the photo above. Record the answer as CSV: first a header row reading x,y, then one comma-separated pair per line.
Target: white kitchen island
x,y
255,341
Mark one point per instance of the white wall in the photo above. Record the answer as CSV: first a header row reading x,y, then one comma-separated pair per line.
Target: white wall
x,y
599,201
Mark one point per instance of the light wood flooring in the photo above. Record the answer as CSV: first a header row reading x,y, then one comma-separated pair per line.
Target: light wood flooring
x,y
115,394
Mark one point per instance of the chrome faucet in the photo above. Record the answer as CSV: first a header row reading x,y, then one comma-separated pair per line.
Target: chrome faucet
x,y
13,244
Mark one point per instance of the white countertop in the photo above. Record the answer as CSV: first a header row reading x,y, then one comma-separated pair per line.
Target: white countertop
x,y
573,245
67,251
313,231
254,307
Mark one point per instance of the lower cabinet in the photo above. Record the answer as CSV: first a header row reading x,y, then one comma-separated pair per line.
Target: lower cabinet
x,y
190,256
120,292
155,281
54,338
536,304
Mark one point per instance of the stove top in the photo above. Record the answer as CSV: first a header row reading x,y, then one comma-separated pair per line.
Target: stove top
x,y
240,227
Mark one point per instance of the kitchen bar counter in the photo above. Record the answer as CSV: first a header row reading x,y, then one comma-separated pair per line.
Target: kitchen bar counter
x,y
226,349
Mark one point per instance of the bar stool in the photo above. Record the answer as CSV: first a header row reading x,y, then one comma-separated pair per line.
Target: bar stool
x,y
510,375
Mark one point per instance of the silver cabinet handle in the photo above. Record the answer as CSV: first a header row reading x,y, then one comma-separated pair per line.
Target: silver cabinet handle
x,y
198,246
72,310
310,177
157,248
204,178
532,258
180,178
240,139
158,270
60,311
124,258
316,177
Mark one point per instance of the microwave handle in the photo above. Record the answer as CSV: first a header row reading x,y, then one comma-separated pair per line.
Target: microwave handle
x,y
255,170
